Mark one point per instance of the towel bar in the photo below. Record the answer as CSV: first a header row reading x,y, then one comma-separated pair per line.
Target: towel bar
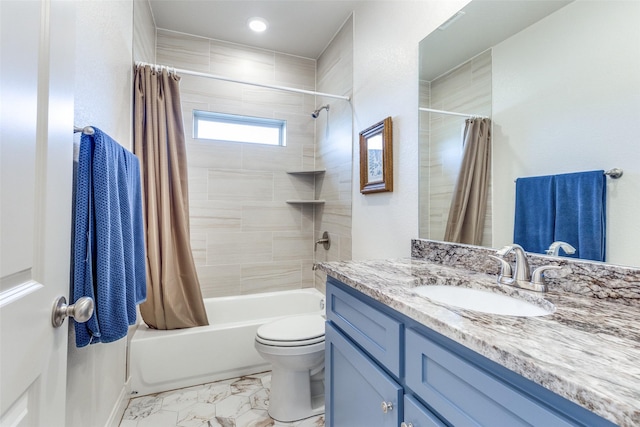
x,y
614,173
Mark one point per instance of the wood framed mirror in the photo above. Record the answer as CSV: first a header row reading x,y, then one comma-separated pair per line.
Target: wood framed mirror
x,y
376,158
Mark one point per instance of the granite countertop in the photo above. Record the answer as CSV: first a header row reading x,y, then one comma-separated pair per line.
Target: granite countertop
x,y
587,351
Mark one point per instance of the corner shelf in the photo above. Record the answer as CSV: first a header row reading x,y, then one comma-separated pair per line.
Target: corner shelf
x,y
306,172
305,202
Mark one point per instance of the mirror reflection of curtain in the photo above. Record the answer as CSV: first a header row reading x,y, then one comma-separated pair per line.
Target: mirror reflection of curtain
x,y
469,203
174,298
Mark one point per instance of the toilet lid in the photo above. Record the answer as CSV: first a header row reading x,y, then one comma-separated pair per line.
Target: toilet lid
x,y
293,329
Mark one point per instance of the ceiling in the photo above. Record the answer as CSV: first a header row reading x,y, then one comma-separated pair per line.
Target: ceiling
x,y
484,24
302,27
306,27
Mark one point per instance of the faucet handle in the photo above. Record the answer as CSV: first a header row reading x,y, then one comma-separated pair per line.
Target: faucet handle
x,y
505,269
537,278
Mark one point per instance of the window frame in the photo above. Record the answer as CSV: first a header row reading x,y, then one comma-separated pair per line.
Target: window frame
x,y
258,122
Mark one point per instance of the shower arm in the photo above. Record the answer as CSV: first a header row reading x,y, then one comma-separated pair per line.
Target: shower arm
x,y
316,113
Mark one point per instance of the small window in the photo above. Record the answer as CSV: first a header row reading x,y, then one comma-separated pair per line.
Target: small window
x,y
234,128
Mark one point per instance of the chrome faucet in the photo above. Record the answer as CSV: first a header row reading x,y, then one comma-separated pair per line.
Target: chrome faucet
x,y
554,248
521,269
521,276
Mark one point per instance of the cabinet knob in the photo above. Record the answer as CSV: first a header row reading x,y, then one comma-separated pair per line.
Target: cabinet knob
x,y
406,424
386,407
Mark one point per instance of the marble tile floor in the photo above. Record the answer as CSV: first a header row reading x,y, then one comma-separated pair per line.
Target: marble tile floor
x,y
237,402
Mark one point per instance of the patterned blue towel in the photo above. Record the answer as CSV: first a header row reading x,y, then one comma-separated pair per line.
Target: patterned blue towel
x,y
108,253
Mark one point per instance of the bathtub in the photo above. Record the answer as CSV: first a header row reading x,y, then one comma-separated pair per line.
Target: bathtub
x,y
166,360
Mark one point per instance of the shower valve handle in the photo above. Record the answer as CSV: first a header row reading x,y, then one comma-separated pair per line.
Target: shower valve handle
x,y
325,241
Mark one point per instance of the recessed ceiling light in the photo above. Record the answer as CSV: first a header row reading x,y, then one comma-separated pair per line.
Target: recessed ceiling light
x,y
258,24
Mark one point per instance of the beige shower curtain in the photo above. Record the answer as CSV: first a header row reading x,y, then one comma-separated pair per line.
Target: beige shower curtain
x,y
469,202
174,299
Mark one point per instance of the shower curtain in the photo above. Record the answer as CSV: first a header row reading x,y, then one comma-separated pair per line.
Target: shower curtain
x,y
469,202
174,299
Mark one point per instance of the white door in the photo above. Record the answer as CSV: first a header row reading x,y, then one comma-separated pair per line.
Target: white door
x,y
36,94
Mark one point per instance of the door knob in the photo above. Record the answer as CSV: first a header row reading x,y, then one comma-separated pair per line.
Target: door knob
x,y
386,407
404,424
81,311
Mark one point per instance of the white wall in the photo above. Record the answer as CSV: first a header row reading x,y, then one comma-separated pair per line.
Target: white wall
x,y
103,93
386,38
565,99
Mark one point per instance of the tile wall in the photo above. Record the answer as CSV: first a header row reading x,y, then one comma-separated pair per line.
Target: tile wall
x,y
423,153
245,237
466,89
334,150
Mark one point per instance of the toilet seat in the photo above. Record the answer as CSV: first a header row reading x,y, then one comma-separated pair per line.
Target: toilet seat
x,y
295,331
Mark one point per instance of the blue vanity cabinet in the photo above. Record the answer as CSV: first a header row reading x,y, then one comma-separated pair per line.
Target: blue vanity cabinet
x,y
375,354
377,333
364,367
356,387
416,415
464,394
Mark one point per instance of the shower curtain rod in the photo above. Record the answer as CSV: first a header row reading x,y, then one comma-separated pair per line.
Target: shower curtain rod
x,y
451,113
229,79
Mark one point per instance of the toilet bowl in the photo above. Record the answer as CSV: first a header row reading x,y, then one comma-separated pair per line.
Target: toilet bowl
x,y
295,348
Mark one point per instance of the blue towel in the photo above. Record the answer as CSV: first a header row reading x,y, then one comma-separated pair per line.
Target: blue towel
x,y
534,213
108,248
580,213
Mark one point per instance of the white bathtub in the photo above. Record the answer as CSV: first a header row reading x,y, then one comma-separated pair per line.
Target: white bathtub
x,y
165,360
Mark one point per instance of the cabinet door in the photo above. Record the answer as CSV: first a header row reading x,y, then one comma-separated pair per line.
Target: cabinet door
x,y
416,415
374,331
356,387
467,396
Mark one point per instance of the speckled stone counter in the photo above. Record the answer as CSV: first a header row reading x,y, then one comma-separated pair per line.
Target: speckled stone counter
x,y
589,278
587,351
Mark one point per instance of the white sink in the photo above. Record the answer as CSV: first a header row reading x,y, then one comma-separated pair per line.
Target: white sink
x,y
483,301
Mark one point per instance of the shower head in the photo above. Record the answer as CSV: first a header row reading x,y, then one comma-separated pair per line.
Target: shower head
x,y
316,113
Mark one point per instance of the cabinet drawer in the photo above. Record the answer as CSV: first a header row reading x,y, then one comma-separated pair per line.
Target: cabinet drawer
x,y
356,387
416,415
466,395
377,333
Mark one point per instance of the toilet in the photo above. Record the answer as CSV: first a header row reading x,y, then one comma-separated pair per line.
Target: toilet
x,y
295,348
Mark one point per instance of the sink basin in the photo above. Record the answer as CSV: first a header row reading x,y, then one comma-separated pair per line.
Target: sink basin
x,y
483,301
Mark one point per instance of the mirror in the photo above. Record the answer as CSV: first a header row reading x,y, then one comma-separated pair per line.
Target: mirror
x,y
561,83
